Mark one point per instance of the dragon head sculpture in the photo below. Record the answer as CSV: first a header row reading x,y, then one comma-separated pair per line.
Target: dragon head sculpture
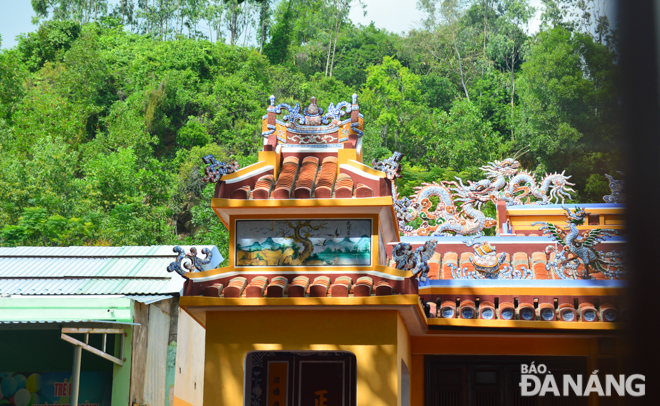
x,y
477,193
508,168
577,216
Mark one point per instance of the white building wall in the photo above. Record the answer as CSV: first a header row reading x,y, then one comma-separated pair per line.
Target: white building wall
x,y
189,373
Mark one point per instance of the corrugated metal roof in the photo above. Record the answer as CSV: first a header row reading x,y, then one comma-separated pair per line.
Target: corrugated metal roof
x,y
66,286
148,299
92,270
66,321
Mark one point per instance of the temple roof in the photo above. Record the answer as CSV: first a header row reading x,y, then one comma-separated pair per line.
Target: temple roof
x,y
549,262
306,178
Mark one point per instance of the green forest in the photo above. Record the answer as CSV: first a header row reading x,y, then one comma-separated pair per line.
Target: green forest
x,y
106,109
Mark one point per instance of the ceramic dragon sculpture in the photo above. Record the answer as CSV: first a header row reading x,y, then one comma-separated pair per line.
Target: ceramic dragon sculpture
x,y
504,182
616,188
579,249
512,185
448,218
415,261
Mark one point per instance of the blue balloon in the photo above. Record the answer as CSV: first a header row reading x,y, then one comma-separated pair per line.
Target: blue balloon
x,y
20,381
9,386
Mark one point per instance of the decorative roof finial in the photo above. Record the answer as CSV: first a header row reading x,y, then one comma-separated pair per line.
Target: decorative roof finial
x,y
390,166
616,188
215,169
313,108
355,98
191,262
415,261
272,100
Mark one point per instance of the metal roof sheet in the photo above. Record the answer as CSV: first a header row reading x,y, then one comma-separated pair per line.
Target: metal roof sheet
x,y
92,270
84,286
148,299
66,321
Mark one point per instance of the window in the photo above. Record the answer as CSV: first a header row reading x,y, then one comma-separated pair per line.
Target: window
x,y
493,381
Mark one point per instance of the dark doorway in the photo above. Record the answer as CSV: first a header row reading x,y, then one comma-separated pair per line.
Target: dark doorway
x,y
300,378
494,381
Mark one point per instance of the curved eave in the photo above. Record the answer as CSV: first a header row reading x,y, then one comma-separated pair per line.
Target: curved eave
x,y
435,324
270,203
230,271
363,169
408,306
522,287
279,302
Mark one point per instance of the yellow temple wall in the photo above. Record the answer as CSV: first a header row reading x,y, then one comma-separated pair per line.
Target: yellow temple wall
x,y
403,354
522,219
378,339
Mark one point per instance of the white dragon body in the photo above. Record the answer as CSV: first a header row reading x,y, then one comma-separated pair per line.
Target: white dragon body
x,y
504,182
511,185
448,218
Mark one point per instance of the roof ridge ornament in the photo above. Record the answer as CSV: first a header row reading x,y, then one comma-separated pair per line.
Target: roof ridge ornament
x,y
582,248
507,181
190,261
215,170
313,114
414,261
334,114
487,265
616,189
459,210
293,113
390,166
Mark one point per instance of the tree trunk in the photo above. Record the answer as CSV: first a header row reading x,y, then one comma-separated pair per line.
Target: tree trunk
x,y
332,36
513,89
232,25
308,246
263,34
327,60
460,66
334,48
483,66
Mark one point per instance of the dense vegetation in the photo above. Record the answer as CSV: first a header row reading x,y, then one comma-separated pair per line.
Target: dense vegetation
x,y
105,112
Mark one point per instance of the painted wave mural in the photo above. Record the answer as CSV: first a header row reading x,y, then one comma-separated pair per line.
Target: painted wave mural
x,y
344,242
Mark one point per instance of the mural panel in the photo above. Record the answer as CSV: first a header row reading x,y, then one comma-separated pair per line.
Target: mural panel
x,y
345,242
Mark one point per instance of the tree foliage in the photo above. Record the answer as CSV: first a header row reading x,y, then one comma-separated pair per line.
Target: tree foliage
x,y
107,107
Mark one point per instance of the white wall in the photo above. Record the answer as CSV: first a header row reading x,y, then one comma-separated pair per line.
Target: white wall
x,y
189,373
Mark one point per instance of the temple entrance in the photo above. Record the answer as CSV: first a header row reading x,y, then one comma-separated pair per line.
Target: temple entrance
x,y
494,381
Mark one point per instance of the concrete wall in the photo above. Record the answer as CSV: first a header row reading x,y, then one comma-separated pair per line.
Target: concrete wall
x,y
189,367
154,391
